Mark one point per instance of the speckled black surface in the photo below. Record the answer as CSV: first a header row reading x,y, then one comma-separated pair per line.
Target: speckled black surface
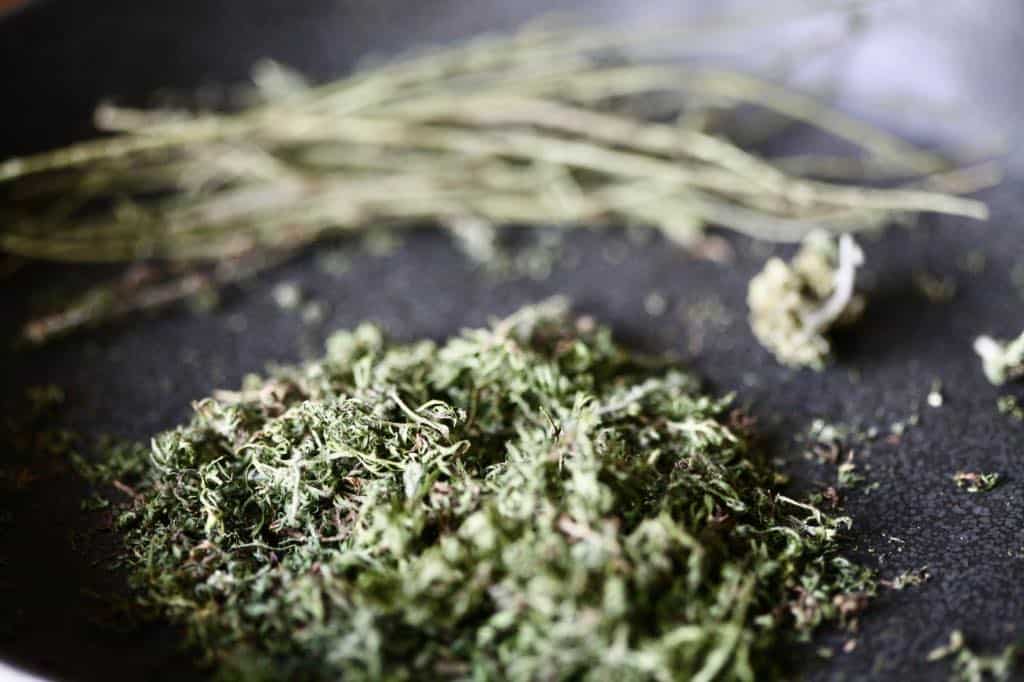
x,y
58,58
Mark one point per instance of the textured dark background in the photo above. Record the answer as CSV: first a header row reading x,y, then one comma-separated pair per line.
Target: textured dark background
x,y
58,58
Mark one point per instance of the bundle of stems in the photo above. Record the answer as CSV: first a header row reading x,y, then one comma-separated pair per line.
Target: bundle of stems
x,y
546,126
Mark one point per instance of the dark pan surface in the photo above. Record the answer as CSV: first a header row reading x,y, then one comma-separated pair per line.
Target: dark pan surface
x,y
58,58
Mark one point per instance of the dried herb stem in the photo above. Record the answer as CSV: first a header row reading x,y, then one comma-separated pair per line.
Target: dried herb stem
x,y
536,127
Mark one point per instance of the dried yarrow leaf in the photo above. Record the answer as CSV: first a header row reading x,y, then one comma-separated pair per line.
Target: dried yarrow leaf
x,y
526,501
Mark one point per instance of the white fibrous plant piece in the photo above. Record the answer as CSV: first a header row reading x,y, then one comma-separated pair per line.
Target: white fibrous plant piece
x,y
1002,361
793,305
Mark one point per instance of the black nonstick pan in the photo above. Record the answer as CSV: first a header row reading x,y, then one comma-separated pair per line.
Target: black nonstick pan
x,y
59,58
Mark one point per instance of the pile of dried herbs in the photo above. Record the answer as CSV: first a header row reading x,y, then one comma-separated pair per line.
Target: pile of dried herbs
x,y
526,501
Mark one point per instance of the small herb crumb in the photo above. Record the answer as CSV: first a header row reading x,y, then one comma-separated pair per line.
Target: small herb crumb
x,y
335,262
935,288
974,482
204,302
287,295
655,304
1011,407
826,433
1001,361
313,313
381,243
971,667
974,262
847,475
908,578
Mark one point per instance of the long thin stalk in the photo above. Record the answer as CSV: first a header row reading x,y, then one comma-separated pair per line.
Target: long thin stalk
x,y
536,127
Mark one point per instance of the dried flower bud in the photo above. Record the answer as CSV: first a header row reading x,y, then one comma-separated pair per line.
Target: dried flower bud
x,y
1001,361
793,305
